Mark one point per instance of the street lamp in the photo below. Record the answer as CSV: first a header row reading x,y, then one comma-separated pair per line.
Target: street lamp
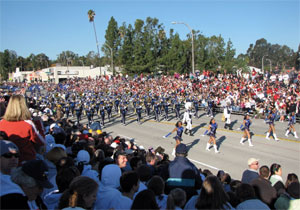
x,y
270,64
112,58
193,61
262,64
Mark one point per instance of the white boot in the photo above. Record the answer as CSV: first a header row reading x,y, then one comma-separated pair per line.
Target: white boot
x,y
207,146
276,139
216,149
173,152
267,137
250,143
242,140
295,135
287,133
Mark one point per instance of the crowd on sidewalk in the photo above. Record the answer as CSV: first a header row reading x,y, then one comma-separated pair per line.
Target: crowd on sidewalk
x,y
53,163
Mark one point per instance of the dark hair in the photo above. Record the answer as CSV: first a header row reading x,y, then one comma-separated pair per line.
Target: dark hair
x,y
128,180
274,168
177,124
145,200
150,156
245,192
134,161
157,185
207,172
64,162
177,197
79,187
212,195
264,171
290,179
234,185
144,172
65,176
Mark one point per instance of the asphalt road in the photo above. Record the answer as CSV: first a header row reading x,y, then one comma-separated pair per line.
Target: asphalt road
x,y
232,157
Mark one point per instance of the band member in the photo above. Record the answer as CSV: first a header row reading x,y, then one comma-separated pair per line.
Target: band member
x,y
108,108
292,122
156,111
210,104
227,115
270,121
187,118
166,109
138,109
212,135
246,127
123,111
102,114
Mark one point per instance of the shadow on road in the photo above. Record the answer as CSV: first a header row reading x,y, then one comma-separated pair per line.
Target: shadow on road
x,y
194,130
232,124
191,144
220,141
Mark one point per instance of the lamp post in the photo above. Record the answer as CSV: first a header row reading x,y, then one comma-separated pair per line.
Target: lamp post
x,y
262,64
112,58
193,59
270,64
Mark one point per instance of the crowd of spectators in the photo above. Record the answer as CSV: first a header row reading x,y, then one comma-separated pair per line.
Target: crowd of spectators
x,y
48,163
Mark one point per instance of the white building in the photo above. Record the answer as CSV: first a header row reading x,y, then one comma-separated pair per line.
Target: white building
x,y
59,73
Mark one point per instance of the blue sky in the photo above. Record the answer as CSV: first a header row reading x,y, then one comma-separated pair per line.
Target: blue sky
x,y
53,26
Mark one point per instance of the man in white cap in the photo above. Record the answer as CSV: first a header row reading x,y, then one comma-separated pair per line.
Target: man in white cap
x,y
251,173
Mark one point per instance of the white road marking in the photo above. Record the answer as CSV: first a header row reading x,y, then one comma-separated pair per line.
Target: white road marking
x,y
204,164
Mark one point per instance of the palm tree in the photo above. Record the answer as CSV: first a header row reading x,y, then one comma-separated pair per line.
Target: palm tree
x,y
91,15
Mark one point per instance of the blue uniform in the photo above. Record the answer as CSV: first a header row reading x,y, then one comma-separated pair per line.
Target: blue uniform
x,y
272,118
247,125
213,129
179,133
292,120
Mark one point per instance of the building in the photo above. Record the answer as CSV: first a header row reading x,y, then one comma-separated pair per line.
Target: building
x,y
60,73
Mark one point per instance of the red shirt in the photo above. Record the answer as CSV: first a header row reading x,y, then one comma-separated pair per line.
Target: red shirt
x,y
25,135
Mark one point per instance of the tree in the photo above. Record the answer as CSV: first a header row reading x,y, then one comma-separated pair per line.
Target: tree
x,y
112,40
229,57
91,15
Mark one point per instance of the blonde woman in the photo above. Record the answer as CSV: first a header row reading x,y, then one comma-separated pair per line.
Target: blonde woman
x,y
20,129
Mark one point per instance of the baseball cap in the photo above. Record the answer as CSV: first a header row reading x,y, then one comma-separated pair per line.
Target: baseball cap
x,y
8,147
38,170
252,160
181,149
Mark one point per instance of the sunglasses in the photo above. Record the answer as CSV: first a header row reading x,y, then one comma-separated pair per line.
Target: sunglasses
x,y
10,155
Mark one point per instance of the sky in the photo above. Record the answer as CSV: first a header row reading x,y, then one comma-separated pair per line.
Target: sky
x,y
53,26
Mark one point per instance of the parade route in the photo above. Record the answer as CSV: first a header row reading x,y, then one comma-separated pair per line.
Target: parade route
x,y
232,157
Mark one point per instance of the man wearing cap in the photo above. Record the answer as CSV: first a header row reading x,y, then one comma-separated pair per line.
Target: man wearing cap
x,y
182,173
9,157
26,184
251,173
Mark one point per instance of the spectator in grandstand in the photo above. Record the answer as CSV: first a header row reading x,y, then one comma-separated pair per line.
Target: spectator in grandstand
x,y
176,199
212,195
157,185
20,129
291,178
182,173
263,188
9,158
63,179
290,199
108,189
129,182
120,158
251,173
144,200
246,196
28,182
82,194
276,178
